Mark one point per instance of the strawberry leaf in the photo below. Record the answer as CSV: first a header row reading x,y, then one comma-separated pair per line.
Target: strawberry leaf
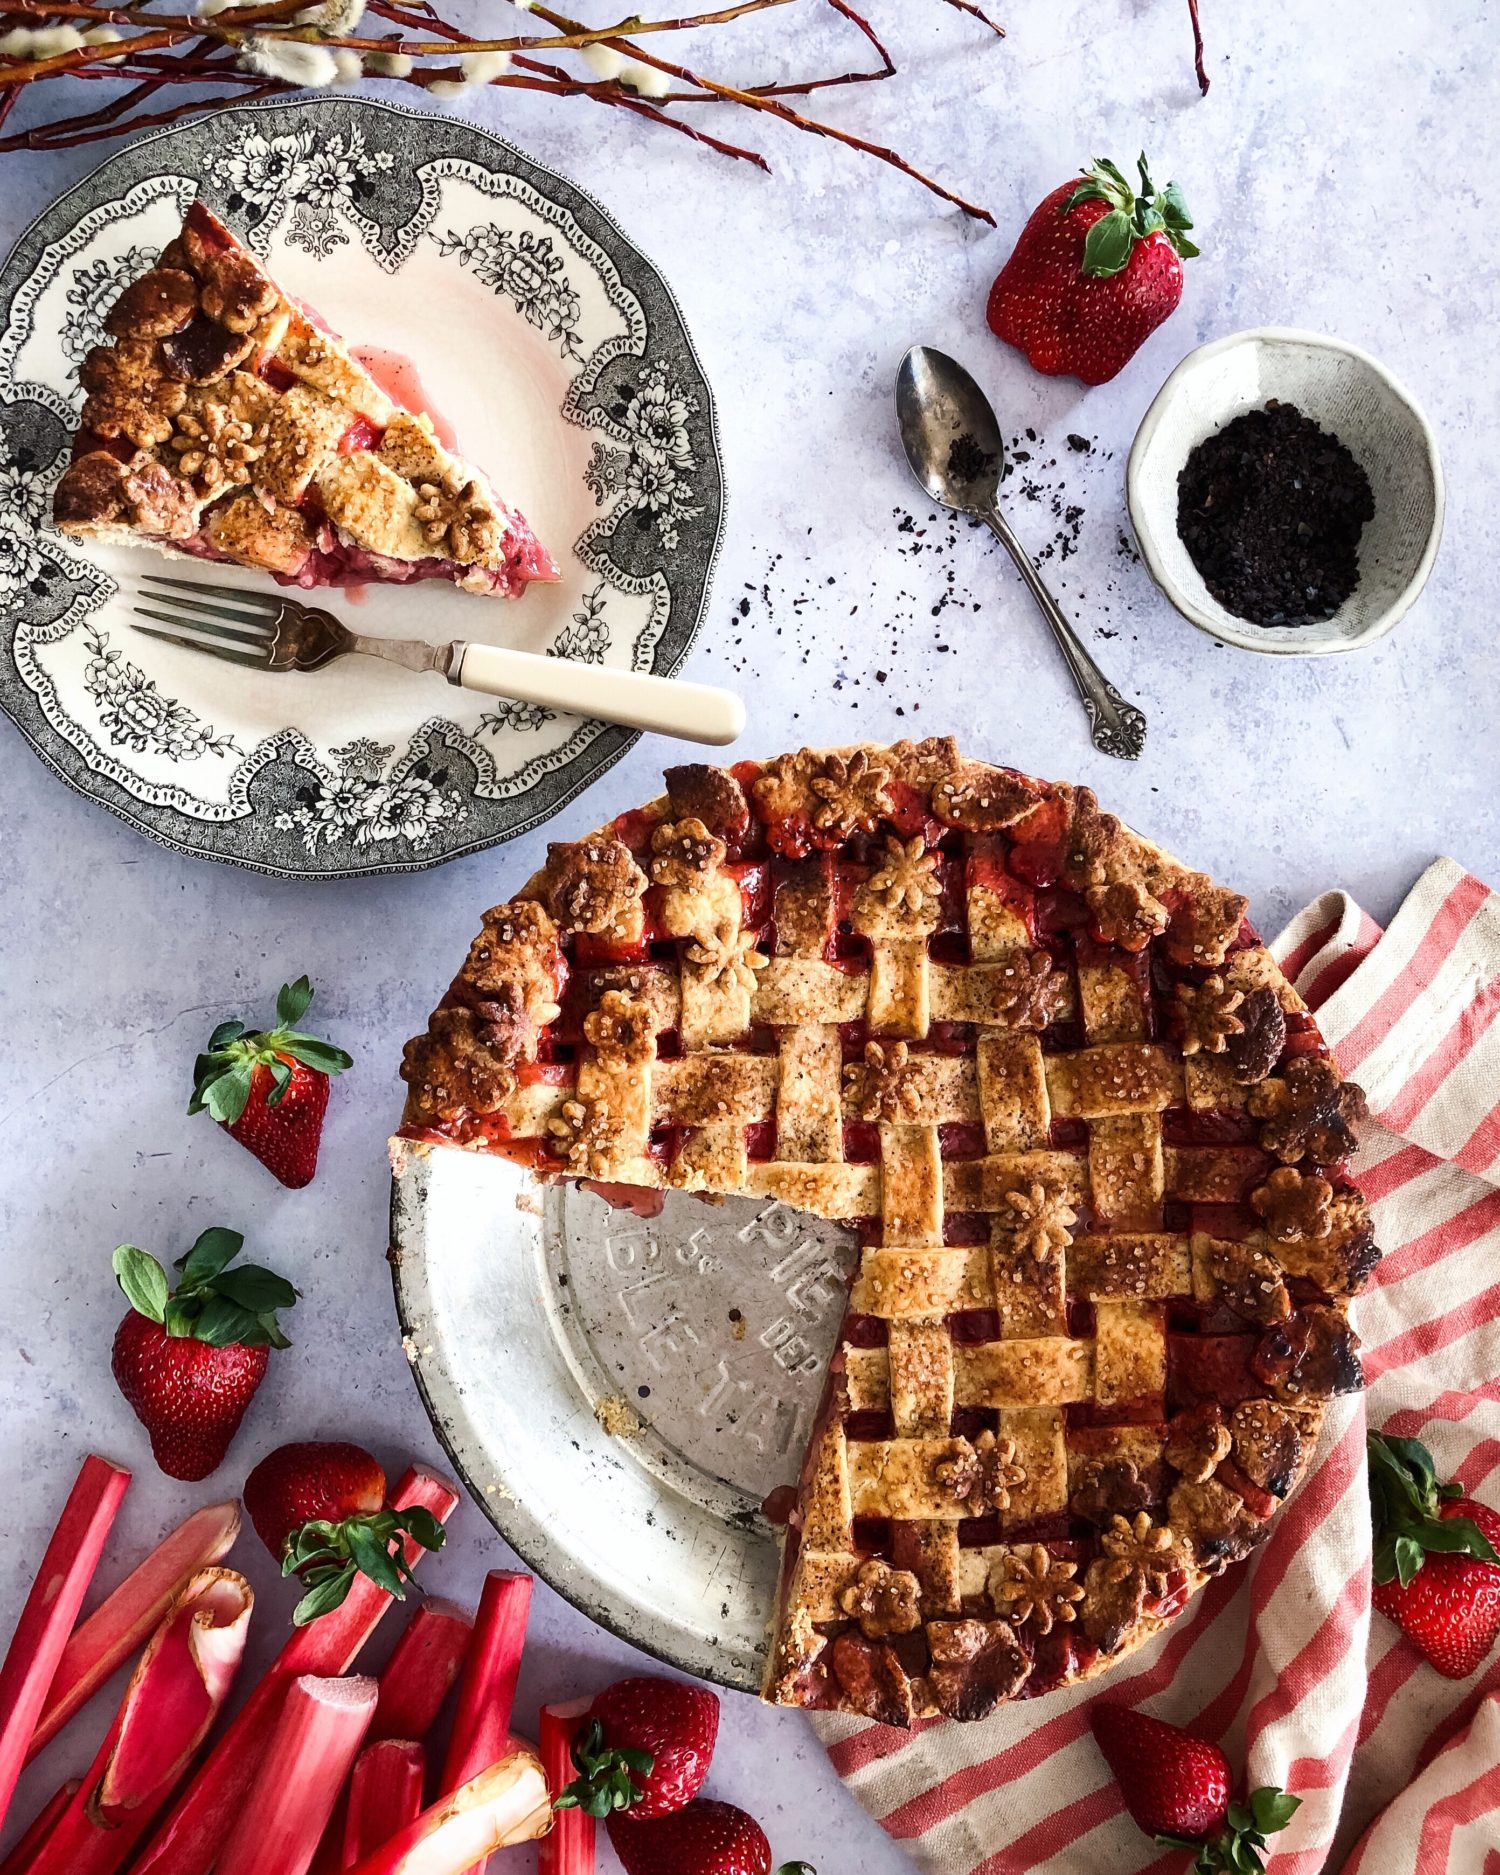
x,y
1273,1809
213,1302
1404,1506
143,1280
292,1002
607,1775
214,1248
226,1033
328,1556
226,1093
257,1290
325,1596
374,1559
181,1318
1107,245
316,1054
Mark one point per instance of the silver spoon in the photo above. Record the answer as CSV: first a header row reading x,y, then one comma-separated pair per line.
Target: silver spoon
x,y
952,441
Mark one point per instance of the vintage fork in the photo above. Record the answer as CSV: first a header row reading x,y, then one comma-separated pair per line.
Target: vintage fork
x,y
270,632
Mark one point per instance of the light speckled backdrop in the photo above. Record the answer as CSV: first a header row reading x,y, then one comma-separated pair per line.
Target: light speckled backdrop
x,y
1339,175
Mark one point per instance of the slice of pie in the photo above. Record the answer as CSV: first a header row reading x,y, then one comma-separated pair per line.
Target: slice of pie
x,y
1094,1149
225,421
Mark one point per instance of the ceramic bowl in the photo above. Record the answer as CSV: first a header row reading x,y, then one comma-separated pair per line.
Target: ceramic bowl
x,y
1346,391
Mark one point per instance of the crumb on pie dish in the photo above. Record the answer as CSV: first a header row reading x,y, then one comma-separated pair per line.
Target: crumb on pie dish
x,y
1092,1145
223,420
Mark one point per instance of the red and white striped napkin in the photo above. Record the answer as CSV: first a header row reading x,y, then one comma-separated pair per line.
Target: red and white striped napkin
x,y
1398,1769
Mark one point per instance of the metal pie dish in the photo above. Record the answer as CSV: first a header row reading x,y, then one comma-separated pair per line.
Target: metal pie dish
x,y
619,1394
1344,390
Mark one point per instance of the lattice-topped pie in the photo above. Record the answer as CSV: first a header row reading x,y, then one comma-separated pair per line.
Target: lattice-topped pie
x,y
225,421
1092,1144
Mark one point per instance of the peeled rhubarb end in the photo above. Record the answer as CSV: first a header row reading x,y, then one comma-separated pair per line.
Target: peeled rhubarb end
x,y
122,1621
508,1803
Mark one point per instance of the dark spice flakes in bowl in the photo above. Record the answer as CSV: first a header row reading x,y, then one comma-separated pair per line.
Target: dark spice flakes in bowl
x,y
1271,509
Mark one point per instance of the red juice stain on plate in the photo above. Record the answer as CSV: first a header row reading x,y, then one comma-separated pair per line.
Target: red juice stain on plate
x,y
399,378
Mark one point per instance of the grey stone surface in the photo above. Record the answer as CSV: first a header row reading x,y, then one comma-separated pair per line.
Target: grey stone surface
x,y
1335,177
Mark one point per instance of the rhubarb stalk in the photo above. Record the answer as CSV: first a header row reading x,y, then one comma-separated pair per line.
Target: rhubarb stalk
x,y
507,1803
385,1794
22,1858
317,1738
121,1622
51,1610
187,1842
175,1694
569,1850
422,1669
487,1690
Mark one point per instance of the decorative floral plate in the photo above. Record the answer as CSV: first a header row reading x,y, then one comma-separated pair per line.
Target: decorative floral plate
x,y
537,328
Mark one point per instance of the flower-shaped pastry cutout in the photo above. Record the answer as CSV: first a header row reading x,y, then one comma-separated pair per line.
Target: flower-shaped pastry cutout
x,y
905,879
883,1600
1208,1015
727,954
1030,1584
1039,1219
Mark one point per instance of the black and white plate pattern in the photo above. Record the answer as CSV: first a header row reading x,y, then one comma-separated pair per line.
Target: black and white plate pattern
x,y
546,337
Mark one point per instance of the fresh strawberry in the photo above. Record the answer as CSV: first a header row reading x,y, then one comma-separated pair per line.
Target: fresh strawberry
x,y
706,1837
269,1088
1176,1787
319,1508
1173,1784
1096,270
298,1484
645,1749
189,1360
1437,1557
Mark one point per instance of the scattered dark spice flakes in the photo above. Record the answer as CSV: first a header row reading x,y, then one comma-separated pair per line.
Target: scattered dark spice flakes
x,y
1271,509
967,461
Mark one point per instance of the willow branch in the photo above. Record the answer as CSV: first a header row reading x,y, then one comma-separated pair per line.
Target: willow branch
x,y
181,49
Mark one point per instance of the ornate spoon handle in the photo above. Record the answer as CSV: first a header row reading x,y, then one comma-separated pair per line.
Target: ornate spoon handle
x,y
1115,726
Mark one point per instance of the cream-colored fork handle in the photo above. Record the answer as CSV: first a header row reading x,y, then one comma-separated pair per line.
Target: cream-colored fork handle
x,y
695,712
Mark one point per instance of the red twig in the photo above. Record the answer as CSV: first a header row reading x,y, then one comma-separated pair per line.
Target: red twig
x,y
775,108
1198,47
967,6
176,48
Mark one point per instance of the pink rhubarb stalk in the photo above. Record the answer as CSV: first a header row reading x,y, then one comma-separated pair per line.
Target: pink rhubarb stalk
x,y
51,1610
23,1857
198,1823
507,1803
385,1794
569,1850
317,1738
175,1694
487,1690
422,1669
121,1622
